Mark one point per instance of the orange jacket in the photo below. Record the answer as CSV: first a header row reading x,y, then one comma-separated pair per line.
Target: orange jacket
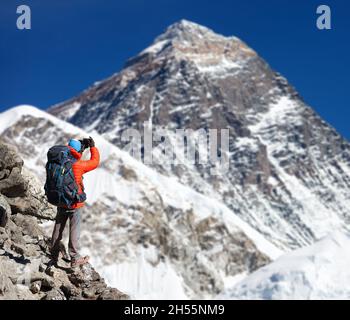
x,y
82,166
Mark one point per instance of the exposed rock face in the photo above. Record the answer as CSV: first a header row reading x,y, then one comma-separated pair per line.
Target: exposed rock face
x,y
5,211
24,250
20,187
12,183
201,255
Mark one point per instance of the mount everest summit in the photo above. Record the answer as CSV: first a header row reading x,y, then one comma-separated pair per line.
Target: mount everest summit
x,y
152,227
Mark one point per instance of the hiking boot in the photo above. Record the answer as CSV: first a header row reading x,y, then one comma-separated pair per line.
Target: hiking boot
x,y
80,261
63,253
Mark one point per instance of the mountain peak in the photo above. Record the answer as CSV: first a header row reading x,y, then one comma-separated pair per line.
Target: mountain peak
x,y
184,25
185,30
190,41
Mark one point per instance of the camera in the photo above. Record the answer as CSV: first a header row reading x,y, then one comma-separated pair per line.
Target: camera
x,y
86,143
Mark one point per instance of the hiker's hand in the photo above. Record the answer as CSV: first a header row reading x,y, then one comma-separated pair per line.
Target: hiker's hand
x,y
91,142
86,143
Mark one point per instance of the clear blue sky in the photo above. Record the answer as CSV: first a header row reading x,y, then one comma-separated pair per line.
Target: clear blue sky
x,y
74,43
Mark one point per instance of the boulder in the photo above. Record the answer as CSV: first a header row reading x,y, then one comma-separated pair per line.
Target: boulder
x,y
14,185
9,157
28,226
35,287
36,199
54,294
33,202
4,173
70,291
5,211
7,289
113,294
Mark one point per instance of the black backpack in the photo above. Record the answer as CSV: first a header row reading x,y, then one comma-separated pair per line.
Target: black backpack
x,y
60,186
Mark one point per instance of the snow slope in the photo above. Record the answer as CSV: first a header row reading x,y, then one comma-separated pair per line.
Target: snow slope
x,y
319,271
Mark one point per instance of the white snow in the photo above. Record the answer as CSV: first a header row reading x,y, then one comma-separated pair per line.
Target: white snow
x,y
246,142
142,280
224,66
11,116
315,214
72,109
156,47
276,114
319,271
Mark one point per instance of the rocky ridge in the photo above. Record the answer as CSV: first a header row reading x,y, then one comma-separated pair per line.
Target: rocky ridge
x,y
24,248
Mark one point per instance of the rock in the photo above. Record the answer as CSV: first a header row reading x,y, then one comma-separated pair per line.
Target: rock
x,y
112,294
21,205
54,294
14,232
31,201
127,173
28,225
88,272
50,271
89,293
29,240
5,173
9,157
5,211
8,280
70,291
42,267
28,250
44,245
38,202
18,248
47,284
14,185
7,289
100,287
35,287
76,278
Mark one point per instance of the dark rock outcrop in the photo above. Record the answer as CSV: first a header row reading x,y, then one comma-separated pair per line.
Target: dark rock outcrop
x,y
4,211
25,272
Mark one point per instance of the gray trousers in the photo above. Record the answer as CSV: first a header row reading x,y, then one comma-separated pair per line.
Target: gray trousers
x,y
74,217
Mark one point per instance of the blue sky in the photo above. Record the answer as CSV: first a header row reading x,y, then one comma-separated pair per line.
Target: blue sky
x,y
74,43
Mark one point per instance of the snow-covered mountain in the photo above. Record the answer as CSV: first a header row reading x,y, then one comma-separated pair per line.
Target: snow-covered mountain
x,y
319,271
147,234
289,173
151,228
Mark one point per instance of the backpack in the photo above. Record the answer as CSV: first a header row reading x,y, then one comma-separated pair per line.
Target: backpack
x,y
60,186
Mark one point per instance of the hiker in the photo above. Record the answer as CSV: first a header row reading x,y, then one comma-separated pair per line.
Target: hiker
x,y
64,188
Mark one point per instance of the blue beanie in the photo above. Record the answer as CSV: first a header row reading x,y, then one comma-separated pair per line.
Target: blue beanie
x,y
75,144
